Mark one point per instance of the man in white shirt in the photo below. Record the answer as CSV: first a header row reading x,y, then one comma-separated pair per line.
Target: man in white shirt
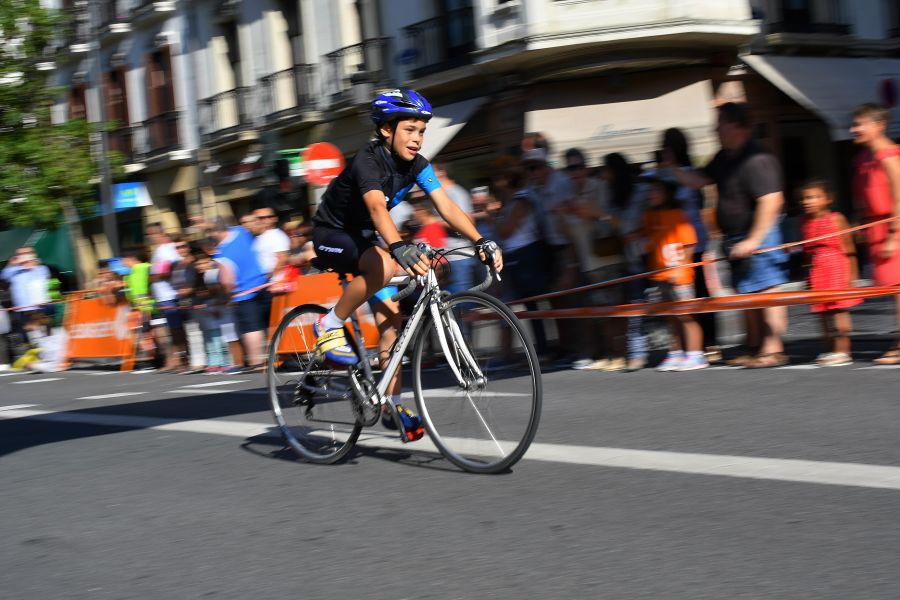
x,y
271,244
27,279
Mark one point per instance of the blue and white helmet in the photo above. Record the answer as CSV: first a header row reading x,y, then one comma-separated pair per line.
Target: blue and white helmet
x,y
395,104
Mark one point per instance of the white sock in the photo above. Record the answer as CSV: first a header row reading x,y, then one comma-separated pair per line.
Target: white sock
x,y
332,321
395,398
676,354
696,355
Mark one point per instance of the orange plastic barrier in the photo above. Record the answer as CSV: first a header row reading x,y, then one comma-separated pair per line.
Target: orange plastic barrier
x,y
96,330
323,289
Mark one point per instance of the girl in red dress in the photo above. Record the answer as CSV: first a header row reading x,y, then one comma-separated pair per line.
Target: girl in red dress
x,y
832,267
878,191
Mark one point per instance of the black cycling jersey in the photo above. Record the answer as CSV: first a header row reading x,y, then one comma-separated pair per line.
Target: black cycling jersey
x,y
373,168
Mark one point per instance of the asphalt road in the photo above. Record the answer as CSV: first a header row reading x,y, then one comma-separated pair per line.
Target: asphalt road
x,y
721,484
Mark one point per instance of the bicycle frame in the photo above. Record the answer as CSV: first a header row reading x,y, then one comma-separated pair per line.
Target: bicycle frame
x,y
429,299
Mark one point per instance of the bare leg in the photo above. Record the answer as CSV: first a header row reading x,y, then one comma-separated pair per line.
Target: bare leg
x,y
753,325
693,334
237,353
775,320
843,326
377,268
388,321
826,330
255,346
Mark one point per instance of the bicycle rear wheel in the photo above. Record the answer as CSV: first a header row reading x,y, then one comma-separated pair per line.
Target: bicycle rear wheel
x,y
489,426
311,402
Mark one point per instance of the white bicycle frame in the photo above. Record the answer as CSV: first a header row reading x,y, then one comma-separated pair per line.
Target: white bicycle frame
x,y
429,299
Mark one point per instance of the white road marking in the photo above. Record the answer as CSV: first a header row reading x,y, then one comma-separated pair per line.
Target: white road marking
x,y
16,373
36,380
215,383
117,395
746,467
16,406
878,368
185,392
798,368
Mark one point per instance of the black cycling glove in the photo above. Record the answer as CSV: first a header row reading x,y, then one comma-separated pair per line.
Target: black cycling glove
x,y
406,255
486,249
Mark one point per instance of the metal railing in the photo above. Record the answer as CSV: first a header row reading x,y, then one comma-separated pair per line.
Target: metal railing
x,y
228,111
115,11
156,135
440,43
289,91
364,62
120,140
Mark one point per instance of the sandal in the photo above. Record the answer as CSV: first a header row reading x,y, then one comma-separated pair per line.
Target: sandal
x,y
766,361
891,357
740,361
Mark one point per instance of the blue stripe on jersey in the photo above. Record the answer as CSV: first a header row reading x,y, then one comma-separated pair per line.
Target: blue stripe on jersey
x,y
398,198
427,180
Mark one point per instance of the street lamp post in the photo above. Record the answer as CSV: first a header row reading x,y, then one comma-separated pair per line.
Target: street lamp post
x,y
106,199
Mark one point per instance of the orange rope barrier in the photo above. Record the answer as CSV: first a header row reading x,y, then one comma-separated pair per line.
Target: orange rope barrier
x,y
709,305
621,280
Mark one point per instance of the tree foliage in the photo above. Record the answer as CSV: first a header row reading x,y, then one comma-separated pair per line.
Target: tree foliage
x,y
42,166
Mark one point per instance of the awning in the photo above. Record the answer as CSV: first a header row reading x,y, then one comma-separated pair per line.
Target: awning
x,y
628,116
832,87
54,247
446,123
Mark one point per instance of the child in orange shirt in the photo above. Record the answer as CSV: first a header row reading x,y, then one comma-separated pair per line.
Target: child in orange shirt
x,y
670,241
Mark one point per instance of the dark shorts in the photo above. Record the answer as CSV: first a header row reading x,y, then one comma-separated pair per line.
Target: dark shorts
x,y
172,313
250,316
341,250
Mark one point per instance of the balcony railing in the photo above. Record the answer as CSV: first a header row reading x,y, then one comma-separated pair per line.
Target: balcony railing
x,y
360,63
808,27
288,92
157,135
120,140
113,13
77,29
228,112
441,43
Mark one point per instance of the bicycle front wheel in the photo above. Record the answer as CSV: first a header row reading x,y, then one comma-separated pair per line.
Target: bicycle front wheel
x,y
311,402
485,423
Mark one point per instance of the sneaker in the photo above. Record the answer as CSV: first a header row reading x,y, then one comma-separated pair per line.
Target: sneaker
x,y
672,362
412,423
233,370
214,370
834,359
582,364
332,344
693,362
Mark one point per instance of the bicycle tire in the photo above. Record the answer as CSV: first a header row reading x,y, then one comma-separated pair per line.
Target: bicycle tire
x,y
452,420
318,426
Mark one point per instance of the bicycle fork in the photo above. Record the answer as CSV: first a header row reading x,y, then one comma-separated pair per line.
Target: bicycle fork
x,y
443,316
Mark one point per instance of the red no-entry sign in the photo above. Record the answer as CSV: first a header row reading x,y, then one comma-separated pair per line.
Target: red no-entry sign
x,y
322,162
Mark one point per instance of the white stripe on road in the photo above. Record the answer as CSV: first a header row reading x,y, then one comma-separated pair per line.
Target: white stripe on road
x,y
36,380
117,395
200,392
878,368
16,373
16,406
215,383
749,467
798,368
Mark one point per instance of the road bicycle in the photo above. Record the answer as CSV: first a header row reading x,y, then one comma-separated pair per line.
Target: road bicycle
x,y
476,379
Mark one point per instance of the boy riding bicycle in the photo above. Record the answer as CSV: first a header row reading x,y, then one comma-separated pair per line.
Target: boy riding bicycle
x,y
354,209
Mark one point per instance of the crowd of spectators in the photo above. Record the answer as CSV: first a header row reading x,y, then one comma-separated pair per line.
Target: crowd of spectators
x,y
560,227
